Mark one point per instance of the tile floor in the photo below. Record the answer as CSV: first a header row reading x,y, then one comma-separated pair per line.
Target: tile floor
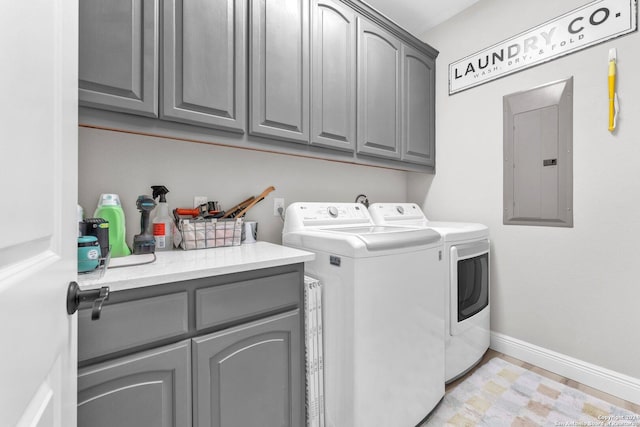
x,y
566,381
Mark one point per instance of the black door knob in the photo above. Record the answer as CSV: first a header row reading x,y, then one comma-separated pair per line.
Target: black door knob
x,y
75,297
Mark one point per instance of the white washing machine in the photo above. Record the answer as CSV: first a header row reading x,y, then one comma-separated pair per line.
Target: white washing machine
x,y
466,251
383,320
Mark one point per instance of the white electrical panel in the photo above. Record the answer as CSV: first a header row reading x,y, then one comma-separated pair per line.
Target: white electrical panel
x,y
538,156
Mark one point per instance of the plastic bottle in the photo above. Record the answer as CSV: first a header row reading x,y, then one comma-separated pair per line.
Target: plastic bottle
x,y
162,222
109,208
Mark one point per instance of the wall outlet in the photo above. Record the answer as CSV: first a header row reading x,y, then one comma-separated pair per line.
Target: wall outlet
x,y
278,203
199,200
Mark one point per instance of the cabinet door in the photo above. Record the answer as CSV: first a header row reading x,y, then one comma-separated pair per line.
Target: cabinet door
x,y
204,63
379,92
418,114
118,55
333,75
250,376
279,67
149,389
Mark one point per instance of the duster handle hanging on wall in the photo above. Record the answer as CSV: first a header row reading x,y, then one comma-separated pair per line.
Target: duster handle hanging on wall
x,y
613,96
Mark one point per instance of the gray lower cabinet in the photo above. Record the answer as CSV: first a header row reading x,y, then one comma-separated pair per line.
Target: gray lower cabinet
x,y
223,351
279,69
149,389
379,92
248,376
333,75
418,113
204,63
118,55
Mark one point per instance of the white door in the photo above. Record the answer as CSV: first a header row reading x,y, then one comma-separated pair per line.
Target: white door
x,y
38,229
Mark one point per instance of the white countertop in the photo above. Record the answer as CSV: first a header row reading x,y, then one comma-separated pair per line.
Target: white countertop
x,y
176,265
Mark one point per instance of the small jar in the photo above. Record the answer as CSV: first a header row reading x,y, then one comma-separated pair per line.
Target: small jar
x,y
88,253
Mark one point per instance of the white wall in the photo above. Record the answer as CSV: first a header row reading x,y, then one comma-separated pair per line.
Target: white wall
x,y
575,290
126,164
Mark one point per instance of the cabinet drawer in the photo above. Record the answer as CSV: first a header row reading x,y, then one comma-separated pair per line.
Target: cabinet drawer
x,y
226,303
129,324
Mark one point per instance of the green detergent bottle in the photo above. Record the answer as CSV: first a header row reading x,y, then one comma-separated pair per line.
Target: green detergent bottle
x,y
109,208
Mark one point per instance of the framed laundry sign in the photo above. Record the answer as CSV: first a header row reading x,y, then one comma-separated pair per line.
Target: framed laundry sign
x,y
585,26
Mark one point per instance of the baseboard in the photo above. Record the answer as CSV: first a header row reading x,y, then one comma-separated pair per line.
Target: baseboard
x,y
611,382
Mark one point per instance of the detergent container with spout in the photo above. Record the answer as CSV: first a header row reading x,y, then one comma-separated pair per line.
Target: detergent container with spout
x,y
110,209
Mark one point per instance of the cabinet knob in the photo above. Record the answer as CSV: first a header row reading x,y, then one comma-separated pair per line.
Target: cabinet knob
x,y
75,297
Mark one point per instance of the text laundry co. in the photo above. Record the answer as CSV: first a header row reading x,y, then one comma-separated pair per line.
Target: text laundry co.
x,y
591,24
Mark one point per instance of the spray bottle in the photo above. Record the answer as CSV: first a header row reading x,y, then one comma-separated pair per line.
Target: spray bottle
x,y
162,222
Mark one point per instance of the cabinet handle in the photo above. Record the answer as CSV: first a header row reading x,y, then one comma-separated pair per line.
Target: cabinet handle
x,y
75,297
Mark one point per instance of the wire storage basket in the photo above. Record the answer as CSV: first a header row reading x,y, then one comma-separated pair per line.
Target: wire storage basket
x,y
209,233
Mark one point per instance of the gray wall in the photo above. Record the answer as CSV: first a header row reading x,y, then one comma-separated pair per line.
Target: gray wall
x,y
571,290
126,164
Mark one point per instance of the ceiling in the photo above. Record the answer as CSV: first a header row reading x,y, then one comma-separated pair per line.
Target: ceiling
x,y
418,16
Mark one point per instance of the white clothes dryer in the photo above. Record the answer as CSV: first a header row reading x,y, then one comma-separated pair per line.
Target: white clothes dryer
x,y
466,252
383,319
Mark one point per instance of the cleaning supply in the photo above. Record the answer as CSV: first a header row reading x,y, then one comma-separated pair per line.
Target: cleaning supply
x,y
110,209
613,96
88,253
144,243
162,222
98,227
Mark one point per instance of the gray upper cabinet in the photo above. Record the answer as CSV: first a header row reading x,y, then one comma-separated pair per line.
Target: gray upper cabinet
x,y
333,75
118,55
379,92
279,69
149,389
418,129
249,376
204,63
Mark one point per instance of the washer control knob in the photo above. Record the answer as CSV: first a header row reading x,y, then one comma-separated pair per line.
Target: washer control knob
x,y
400,210
333,211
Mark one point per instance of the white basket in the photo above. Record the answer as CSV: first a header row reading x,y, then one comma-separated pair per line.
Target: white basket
x,y
209,233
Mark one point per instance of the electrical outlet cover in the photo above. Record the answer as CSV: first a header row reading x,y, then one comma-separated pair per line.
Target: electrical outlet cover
x,y
199,200
278,203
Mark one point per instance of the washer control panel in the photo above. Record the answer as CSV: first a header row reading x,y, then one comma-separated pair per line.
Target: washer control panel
x,y
337,212
327,214
397,213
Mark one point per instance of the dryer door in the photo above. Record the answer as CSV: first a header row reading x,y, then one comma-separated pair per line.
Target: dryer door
x,y
469,284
